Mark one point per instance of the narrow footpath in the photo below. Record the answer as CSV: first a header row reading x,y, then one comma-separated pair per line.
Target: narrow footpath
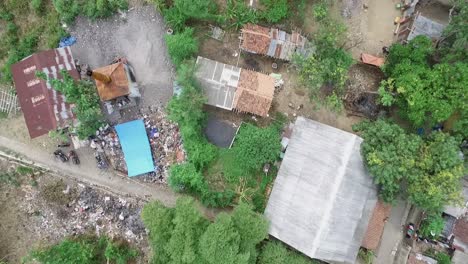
x,y
88,173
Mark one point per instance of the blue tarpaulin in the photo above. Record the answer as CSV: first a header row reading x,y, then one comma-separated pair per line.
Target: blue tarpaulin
x,y
135,146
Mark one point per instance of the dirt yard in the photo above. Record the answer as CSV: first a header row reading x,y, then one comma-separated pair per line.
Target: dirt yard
x,y
137,35
47,209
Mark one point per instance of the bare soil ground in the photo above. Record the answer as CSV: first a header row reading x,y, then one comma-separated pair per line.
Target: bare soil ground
x,y
50,209
137,35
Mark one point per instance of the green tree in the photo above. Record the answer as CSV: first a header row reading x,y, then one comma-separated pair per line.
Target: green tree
x,y
238,14
158,220
432,226
181,46
430,169
186,177
274,252
390,155
84,96
256,146
184,10
442,169
454,43
275,10
189,225
443,258
119,252
220,242
252,229
423,93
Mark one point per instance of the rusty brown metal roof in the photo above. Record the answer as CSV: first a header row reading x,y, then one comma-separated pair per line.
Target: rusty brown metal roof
x,y
118,85
254,93
44,108
376,225
271,41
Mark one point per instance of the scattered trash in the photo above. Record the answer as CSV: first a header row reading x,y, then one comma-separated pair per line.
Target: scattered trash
x,y
67,41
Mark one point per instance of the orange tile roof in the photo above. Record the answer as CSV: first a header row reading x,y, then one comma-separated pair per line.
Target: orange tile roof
x,y
254,93
118,85
255,38
460,231
376,225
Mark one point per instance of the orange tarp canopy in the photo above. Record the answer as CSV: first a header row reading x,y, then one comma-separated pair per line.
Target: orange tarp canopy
x,y
372,60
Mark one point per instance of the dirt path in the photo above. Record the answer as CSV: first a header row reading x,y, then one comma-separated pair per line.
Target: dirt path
x,y
88,173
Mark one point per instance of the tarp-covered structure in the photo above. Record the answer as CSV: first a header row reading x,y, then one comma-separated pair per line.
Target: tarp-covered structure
x,y
136,147
44,108
323,197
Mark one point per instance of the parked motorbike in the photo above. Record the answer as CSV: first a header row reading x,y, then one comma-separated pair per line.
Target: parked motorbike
x,y
60,155
101,161
63,145
74,157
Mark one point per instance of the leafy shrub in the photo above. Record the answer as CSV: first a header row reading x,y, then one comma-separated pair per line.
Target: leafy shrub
x,y
275,10
84,250
443,258
185,177
69,9
238,14
25,47
184,10
320,11
366,256
87,104
38,6
432,226
181,46
274,252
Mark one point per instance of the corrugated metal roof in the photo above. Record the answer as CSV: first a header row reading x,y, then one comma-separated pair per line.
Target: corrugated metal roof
x,y
118,85
43,107
271,42
323,197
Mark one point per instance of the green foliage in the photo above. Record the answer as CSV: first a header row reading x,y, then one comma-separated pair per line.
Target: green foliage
x,y
38,6
256,146
275,10
10,178
159,4
23,170
238,14
83,94
274,252
186,177
443,258
70,9
454,43
334,102
84,250
390,155
329,63
432,226
430,169
119,252
366,256
441,171
19,49
181,46
320,11
182,235
184,10
423,93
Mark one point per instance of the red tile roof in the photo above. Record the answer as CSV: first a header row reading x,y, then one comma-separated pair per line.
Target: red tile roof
x,y
376,225
460,231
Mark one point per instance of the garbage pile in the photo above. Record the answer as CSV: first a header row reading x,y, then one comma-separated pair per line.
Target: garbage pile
x,y
88,210
166,144
165,141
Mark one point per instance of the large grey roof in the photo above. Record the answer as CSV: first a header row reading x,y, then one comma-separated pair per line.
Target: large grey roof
x,y
323,197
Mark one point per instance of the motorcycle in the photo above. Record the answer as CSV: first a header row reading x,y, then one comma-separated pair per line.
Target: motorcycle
x,y
101,161
74,157
60,155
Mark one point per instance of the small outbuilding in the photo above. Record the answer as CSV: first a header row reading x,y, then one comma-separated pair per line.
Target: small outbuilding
x,y
44,108
232,88
271,42
111,81
323,197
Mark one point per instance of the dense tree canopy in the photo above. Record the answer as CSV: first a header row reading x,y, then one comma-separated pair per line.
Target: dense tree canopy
x,y
181,46
182,235
454,43
428,169
277,253
424,93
